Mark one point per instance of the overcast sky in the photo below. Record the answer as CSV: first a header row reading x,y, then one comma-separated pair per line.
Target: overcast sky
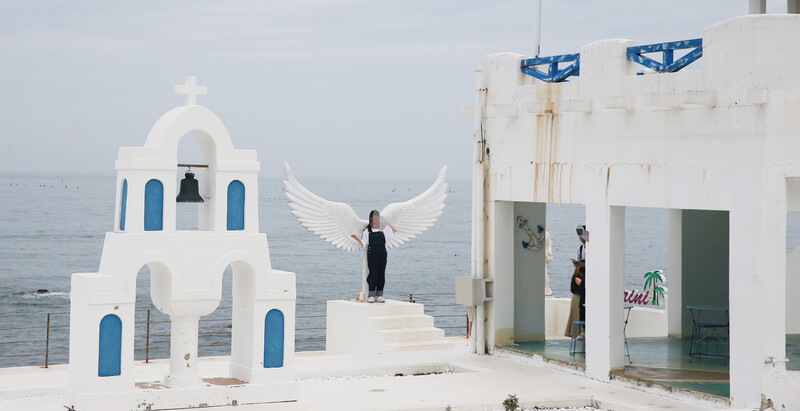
x,y
341,89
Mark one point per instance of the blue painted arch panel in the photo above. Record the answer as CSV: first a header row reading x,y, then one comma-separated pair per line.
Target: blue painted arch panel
x,y
153,206
273,339
123,205
236,205
110,351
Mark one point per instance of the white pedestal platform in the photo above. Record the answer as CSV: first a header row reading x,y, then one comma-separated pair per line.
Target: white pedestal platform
x,y
360,328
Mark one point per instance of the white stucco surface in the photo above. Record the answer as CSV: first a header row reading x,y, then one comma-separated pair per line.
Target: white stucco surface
x,y
723,137
643,321
186,268
465,382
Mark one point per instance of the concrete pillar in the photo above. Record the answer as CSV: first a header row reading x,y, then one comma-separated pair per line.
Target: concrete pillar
x,y
183,353
605,267
604,64
758,6
616,287
674,274
529,267
500,260
758,270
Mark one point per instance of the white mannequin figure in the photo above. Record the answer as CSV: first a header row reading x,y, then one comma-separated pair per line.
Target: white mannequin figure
x,y
548,258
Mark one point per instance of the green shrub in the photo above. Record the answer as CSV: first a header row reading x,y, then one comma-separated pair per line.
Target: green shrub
x,y
511,403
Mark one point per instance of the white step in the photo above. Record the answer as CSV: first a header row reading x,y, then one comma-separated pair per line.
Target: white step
x,y
357,328
391,307
402,335
422,345
390,322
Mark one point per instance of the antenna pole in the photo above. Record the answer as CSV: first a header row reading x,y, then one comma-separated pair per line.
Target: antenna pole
x,y
539,28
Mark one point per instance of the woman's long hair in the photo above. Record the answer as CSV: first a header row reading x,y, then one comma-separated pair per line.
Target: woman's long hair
x,y
369,224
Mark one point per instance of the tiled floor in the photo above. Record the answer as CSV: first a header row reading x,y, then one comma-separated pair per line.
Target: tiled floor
x,y
662,360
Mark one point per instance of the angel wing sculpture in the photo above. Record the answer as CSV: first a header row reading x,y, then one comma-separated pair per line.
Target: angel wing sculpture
x,y
335,222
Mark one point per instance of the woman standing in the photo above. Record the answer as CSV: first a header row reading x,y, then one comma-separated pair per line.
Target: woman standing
x,y
578,285
374,238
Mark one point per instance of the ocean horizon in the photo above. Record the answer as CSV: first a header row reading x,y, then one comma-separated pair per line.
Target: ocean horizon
x,y
54,226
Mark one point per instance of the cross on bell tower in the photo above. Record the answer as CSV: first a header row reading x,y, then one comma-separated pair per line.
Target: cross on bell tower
x,y
191,90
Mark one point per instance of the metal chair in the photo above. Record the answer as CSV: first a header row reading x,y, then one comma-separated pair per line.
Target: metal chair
x,y
574,344
707,331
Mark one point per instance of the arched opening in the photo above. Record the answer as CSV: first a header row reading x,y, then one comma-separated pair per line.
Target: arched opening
x,y
236,205
230,325
123,202
152,327
273,339
215,329
190,151
153,206
110,348
229,330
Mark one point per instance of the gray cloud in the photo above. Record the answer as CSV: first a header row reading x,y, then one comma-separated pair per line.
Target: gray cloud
x,y
340,89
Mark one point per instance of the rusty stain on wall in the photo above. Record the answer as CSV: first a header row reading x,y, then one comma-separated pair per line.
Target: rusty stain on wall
x,y
547,170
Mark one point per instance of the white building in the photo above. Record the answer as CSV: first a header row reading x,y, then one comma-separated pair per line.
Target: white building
x,y
718,146
186,269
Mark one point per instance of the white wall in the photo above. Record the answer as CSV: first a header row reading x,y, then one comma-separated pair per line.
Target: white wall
x,y
529,268
723,137
643,322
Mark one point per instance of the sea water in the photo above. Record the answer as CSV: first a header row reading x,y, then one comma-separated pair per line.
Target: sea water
x,y
53,226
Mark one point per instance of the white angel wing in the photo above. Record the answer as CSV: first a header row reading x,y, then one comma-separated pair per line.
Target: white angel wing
x,y
334,222
414,216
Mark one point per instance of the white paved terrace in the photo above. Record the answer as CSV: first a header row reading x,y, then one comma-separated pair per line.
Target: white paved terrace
x,y
368,382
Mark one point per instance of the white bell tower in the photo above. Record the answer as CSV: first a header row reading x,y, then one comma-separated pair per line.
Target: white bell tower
x,y
186,269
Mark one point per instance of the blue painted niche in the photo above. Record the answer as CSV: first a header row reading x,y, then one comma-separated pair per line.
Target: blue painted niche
x,y
110,352
236,205
273,339
153,206
123,204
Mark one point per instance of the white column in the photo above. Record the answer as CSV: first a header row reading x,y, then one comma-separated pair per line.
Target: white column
x,y
183,353
605,265
757,303
616,287
500,258
674,273
604,65
477,341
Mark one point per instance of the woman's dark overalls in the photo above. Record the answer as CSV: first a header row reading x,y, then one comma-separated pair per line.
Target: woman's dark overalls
x,y
376,262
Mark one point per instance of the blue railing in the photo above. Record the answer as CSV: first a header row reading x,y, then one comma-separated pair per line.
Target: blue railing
x,y
668,63
554,73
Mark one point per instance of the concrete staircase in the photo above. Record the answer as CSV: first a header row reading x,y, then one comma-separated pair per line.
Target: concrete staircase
x,y
392,326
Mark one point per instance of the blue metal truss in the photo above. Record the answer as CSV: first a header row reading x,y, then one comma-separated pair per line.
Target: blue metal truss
x,y
554,74
668,63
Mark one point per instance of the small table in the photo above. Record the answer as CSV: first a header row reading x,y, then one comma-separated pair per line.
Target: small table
x,y
709,327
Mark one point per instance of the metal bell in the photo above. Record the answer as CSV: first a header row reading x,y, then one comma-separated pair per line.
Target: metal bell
x,y
190,191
